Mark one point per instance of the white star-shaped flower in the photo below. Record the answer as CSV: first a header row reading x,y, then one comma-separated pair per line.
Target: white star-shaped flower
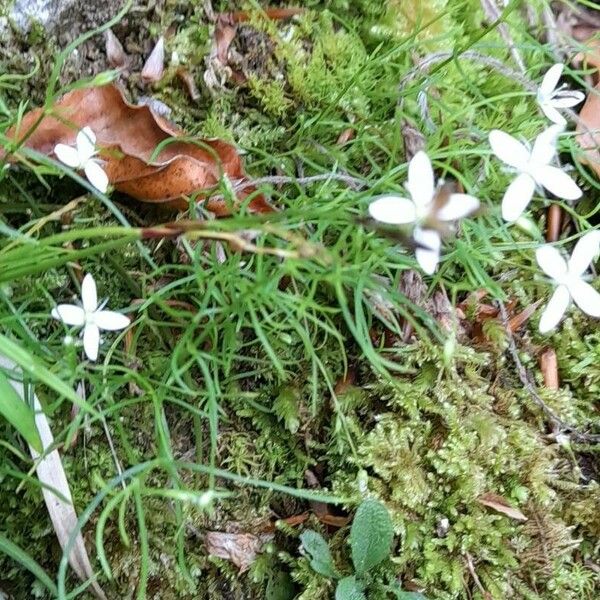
x,y
568,277
421,209
550,97
90,316
82,157
533,168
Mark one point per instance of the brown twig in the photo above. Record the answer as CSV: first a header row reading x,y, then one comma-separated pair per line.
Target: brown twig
x,y
528,384
353,182
492,13
476,580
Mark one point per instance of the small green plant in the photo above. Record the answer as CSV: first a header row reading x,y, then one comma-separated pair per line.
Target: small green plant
x,y
371,537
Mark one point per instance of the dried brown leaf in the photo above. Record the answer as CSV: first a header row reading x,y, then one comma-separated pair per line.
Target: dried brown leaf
x,y
114,50
588,129
549,368
155,63
501,505
240,548
129,136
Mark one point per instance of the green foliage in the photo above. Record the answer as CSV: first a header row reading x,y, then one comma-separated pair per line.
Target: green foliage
x,y
370,536
318,550
14,409
349,588
267,367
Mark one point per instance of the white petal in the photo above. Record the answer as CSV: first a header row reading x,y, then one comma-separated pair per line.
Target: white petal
x,y
96,176
109,320
551,112
551,262
567,98
85,141
91,341
584,252
586,297
420,184
508,149
69,314
550,80
89,296
457,207
428,251
393,210
558,182
67,155
517,196
555,309
544,147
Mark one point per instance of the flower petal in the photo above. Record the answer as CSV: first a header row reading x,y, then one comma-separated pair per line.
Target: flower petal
x,y
89,296
551,262
428,249
96,175
544,147
67,155
586,297
557,181
517,196
69,314
420,184
550,80
567,98
551,112
394,210
555,309
457,207
86,139
91,341
109,320
584,252
508,149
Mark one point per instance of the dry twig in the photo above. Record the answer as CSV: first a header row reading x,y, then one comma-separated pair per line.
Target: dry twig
x,y
528,384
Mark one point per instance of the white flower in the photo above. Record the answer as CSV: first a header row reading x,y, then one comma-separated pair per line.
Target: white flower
x,y
421,209
550,97
82,157
568,276
91,317
533,169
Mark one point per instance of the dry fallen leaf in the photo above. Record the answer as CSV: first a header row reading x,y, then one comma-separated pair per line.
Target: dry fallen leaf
x,y
154,66
146,156
114,50
549,367
240,548
53,478
588,128
501,505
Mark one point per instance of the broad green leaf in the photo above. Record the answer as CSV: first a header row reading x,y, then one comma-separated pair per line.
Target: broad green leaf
x,y
320,557
349,589
18,414
19,555
370,536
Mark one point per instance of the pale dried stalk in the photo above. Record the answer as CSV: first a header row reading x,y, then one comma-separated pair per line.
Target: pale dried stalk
x,y
56,490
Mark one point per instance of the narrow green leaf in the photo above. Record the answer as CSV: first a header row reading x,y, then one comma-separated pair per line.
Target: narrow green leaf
x,y
370,536
30,364
20,556
349,589
18,414
318,550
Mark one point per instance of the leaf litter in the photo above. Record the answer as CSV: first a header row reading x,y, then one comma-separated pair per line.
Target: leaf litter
x,y
145,156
